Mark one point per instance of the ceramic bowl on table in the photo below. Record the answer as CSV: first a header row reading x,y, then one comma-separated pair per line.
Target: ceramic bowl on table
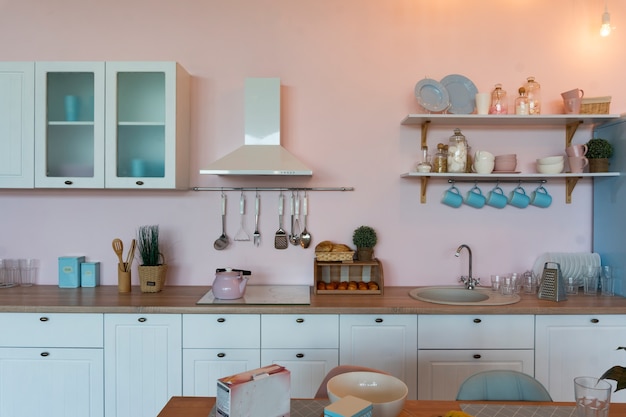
x,y
386,393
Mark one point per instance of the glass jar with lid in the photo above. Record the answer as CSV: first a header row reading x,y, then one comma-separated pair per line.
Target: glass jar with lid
x,y
522,106
499,104
457,152
440,160
424,165
533,92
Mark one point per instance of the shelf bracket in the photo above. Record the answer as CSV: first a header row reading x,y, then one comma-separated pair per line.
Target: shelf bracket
x,y
425,126
570,183
423,189
570,130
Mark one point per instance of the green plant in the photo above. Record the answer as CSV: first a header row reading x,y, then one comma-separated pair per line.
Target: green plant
x,y
599,148
148,245
364,237
617,374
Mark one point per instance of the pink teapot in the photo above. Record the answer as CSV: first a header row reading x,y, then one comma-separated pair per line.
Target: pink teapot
x,y
230,284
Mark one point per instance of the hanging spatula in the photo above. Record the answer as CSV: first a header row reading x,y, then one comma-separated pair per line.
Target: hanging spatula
x,y
257,235
280,239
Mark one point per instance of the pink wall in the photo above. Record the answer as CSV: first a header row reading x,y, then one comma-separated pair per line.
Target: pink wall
x,y
348,70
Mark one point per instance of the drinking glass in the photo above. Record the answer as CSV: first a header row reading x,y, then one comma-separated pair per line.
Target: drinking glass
x,y
606,280
591,279
593,396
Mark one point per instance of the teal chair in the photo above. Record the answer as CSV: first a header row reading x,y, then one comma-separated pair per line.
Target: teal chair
x,y
502,385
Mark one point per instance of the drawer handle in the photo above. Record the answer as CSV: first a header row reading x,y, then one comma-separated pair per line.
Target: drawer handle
x,y
476,356
299,320
300,355
477,321
221,320
139,183
142,319
595,321
44,354
221,355
378,320
68,182
43,319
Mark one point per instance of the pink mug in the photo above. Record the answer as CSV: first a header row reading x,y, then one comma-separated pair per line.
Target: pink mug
x,y
576,150
575,93
577,163
572,105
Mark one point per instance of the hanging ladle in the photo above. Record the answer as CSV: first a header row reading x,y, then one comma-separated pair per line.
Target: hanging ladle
x,y
305,237
222,242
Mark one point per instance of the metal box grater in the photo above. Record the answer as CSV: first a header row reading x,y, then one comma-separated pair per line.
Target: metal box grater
x,y
552,287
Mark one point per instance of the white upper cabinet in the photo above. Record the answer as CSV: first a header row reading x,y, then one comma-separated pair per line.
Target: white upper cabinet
x,y
17,138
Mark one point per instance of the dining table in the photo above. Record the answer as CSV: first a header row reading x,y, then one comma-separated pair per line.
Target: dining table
x,y
204,407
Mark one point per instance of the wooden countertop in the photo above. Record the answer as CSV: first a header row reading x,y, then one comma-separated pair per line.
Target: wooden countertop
x,y
182,299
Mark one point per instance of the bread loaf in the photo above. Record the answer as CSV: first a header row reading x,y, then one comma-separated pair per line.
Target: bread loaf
x,y
325,246
340,247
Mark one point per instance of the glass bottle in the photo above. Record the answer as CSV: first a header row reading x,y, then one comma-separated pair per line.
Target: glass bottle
x,y
457,152
533,91
424,165
440,160
499,104
522,106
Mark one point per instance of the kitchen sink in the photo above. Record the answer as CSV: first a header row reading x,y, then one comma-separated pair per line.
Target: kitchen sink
x,y
462,296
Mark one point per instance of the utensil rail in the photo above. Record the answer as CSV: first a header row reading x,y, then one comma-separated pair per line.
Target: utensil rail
x,y
273,188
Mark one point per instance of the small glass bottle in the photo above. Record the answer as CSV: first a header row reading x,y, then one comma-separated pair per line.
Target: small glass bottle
x,y
440,160
522,106
457,152
499,104
533,91
424,165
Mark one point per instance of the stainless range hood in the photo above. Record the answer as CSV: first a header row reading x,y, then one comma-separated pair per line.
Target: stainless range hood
x,y
261,153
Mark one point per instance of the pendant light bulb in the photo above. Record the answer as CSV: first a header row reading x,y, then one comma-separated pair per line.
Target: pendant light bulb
x,y
605,29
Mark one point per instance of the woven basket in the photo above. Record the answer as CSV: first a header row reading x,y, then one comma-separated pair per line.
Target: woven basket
x,y
345,257
595,105
152,278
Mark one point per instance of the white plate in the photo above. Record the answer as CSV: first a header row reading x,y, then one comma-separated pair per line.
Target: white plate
x,y
462,92
431,95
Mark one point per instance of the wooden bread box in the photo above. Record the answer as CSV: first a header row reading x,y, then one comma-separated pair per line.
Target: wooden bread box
x,y
341,278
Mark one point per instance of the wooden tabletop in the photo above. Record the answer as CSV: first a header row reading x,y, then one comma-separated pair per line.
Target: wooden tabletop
x,y
182,300
201,407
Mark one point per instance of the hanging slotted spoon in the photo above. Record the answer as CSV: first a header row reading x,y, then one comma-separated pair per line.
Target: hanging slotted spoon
x,y
242,235
222,242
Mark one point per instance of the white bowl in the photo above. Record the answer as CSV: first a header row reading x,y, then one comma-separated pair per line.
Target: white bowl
x,y
550,168
386,393
507,156
550,160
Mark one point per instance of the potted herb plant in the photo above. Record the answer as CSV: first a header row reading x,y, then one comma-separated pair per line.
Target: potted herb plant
x,y
617,374
364,238
598,153
153,268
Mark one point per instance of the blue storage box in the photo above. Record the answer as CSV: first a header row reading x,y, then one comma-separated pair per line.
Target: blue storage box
x,y
69,271
90,274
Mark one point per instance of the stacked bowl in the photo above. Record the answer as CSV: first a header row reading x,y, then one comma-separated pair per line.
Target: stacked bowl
x,y
505,163
550,165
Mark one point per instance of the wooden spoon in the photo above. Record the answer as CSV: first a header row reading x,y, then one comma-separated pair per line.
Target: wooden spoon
x,y
118,247
131,254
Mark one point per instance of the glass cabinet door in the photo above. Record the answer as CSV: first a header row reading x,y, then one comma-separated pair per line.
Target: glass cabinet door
x,y
69,126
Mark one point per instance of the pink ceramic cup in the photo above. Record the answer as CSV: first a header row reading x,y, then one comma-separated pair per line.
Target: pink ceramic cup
x,y
576,150
577,163
575,93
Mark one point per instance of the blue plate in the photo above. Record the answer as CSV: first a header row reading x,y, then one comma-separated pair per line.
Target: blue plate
x,y
432,95
462,92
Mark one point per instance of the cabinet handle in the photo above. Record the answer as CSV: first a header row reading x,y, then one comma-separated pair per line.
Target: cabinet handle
x,y
68,182
476,356
43,319
139,183
595,321
477,321
221,355
300,355
44,354
299,320
142,319
221,320
378,320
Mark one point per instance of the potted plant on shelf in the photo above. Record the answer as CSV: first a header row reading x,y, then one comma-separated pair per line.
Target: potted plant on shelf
x,y
617,374
153,268
598,153
364,238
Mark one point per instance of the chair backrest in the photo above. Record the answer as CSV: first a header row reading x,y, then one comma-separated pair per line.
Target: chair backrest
x,y
502,385
341,369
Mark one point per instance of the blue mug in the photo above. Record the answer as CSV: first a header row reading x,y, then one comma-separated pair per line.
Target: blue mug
x,y
496,198
452,197
540,197
475,198
518,197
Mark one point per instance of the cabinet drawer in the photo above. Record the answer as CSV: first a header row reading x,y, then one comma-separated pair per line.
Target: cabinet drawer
x,y
221,331
475,331
313,331
51,330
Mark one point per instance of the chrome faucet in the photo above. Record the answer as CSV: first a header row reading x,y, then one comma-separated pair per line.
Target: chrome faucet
x,y
469,281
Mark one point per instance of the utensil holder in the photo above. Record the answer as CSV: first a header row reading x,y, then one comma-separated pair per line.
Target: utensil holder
x,y
123,278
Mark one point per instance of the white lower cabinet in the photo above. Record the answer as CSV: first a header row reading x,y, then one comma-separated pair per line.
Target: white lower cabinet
x,y
218,345
453,347
51,365
307,345
568,346
143,357
385,342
